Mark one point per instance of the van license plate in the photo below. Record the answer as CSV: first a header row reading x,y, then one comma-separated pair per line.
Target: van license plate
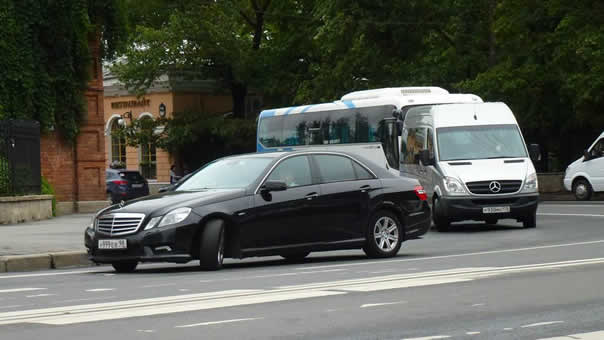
x,y
137,185
495,210
113,244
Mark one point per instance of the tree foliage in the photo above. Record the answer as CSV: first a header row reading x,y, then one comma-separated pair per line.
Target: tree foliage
x,y
45,57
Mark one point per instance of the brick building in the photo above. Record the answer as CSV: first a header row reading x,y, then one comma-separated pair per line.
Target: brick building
x,y
168,94
77,171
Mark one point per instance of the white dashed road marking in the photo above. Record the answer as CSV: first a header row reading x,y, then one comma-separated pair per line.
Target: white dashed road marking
x,y
599,335
433,337
216,322
15,290
100,289
547,323
368,305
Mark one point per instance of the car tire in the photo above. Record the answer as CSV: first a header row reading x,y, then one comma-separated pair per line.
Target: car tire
x,y
384,235
211,245
582,190
492,221
530,221
442,223
125,267
295,257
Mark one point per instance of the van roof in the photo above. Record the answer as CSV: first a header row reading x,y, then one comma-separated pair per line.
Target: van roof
x,y
449,115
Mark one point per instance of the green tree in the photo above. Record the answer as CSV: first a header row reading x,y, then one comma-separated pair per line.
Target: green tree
x,y
238,43
45,58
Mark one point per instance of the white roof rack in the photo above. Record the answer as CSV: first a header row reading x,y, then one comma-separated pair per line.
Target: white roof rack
x,y
395,92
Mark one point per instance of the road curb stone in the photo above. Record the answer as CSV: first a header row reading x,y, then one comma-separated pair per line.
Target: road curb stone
x,y
33,262
70,259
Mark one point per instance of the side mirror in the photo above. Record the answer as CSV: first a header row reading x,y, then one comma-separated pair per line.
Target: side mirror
x,y
535,152
586,155
425,159
274,186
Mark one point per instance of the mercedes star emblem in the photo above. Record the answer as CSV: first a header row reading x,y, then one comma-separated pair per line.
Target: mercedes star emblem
x,y
495,187
122,203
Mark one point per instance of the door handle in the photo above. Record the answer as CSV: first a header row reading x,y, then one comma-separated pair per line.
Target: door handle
x,y
312,195
364,188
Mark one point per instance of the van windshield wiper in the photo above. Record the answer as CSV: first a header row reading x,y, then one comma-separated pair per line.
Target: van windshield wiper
x,y
497,157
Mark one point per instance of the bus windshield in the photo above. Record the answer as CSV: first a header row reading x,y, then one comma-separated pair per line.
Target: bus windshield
x,y
480,142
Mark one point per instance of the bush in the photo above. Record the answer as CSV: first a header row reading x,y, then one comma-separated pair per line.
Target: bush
x,y
47,189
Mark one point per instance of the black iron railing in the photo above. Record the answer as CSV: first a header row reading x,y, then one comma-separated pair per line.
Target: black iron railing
x,y
19,157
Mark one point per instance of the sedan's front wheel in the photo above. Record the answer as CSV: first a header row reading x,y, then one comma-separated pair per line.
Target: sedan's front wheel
x,y
211,245
384,236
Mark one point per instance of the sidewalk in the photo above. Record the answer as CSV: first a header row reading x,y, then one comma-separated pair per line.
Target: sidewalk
x,y
54,243
59,242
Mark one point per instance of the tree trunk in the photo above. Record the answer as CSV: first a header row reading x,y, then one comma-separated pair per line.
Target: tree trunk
x,y
238,93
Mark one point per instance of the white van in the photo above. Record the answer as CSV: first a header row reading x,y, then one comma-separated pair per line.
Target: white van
x,y
472,161
586,175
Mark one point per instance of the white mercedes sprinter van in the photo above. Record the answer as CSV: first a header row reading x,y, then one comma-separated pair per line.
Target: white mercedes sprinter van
x,y
586,175
473,162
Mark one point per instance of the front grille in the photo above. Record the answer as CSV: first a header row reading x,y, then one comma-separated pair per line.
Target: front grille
x,y
483,187
491,201
119,223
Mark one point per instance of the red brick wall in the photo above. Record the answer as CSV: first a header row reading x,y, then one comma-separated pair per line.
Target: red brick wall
x,y
78,174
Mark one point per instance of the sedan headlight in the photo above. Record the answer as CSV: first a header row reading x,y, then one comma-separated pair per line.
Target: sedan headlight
x,y
173,217
531,184
453,186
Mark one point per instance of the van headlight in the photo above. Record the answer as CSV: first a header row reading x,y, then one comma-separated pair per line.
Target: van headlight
x,y
173,217
531,184
453,186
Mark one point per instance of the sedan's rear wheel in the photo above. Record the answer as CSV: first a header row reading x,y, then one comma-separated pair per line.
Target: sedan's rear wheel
x,y
442,223
385,236
211,245
125,267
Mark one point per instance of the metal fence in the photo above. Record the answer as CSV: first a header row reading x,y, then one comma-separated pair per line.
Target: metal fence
x,y
19,157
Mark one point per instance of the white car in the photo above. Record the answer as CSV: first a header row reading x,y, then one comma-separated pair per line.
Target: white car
x,y
586,175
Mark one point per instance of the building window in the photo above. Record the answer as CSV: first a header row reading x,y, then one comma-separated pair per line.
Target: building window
x,y
148,161
118,145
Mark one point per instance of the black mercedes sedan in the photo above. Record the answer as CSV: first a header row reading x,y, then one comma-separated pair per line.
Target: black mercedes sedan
x,y
284,203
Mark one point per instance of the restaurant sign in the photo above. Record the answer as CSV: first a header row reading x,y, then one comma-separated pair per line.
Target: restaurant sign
x,y
130,103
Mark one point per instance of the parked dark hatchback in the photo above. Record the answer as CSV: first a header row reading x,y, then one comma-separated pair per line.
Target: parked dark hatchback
x,y
123,185
286,204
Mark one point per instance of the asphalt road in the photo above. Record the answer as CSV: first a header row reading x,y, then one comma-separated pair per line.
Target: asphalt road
x,y
476,282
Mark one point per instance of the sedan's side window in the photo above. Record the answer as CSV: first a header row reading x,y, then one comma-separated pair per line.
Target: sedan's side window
x,y
293,171
335,168
361,172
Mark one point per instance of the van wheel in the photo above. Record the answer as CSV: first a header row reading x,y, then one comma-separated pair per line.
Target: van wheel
x,y
582,190
441,222
125,267
211,245
530,221
384,235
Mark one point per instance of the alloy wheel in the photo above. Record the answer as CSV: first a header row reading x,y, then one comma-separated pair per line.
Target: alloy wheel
x,y
385,233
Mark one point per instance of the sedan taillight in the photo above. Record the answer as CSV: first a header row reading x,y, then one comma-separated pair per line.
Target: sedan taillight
x,y
421,193
120,182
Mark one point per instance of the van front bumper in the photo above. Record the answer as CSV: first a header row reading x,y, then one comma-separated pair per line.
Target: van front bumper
x,y
471,208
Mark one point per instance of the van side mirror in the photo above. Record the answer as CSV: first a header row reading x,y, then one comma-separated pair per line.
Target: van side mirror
x,y
586,155
534,152
424,157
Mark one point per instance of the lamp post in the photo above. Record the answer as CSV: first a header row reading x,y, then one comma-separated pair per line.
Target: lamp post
x,y
127,114
162,110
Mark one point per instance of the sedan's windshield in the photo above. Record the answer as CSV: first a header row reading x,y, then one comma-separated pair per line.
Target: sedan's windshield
x,y
480,142
228,173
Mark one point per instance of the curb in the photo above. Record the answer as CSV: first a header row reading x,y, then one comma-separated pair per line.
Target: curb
x,y
21,263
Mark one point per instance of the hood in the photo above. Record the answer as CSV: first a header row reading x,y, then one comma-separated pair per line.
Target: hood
x,y
578,161
487,169
160,204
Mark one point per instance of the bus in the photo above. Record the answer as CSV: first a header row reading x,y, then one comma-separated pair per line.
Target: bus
x,y
364,122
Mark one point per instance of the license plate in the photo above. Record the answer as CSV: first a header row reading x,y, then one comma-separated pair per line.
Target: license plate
x,y
137,185
113,244
495,210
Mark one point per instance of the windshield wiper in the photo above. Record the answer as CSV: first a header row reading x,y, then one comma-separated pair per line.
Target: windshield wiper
x,y
497,157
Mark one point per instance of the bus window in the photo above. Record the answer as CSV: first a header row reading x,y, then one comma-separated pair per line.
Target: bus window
x,y
270,131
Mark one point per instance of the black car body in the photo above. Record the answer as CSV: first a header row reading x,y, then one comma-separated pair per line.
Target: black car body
x,y
286,204
123,185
